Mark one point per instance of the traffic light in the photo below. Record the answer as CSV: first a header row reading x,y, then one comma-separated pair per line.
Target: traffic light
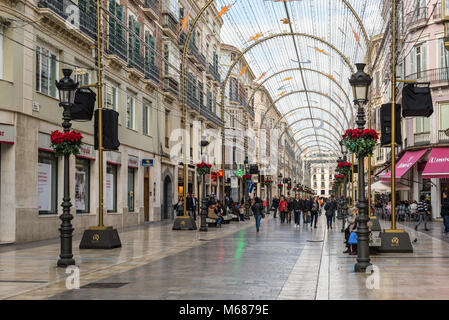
x,y
220,173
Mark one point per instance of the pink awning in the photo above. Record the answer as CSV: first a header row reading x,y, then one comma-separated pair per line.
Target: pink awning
x,y
404,164
438,164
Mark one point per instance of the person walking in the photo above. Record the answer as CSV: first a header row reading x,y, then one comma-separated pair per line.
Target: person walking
x,y
304,209
283,208
179,207
290,209
445,212
330,208
314,212
423,212
219,212
297,205
275,205
257,208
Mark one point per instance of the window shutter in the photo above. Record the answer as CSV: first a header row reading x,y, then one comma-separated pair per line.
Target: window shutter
x,y
412,61
424,59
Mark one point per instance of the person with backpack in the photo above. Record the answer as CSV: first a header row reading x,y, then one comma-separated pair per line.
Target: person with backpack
x,y
330,208
423,212
315,208
257,209
283,209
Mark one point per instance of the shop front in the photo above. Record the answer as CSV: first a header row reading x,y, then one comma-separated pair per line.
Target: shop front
x,y
7,198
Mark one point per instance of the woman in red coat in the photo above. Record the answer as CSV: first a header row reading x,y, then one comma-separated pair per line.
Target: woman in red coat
x,y
283,209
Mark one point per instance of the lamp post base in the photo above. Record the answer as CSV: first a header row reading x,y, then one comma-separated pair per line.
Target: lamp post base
x,y
361,266
64,263
395,241
184,223
100,238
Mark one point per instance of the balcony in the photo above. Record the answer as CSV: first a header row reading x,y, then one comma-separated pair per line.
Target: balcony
x,y
211,116
117,46
434,76
87,18
151,9
170,86
182,40
417,18
199,58
442,137
152,72
136,62
169,25
422,138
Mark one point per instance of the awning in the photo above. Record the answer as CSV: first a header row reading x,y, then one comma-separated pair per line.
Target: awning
x,y
438,164
383,186
404,164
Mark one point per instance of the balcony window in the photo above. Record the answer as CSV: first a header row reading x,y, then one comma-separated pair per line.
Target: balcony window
x,y
418,60
46,71
117,41
444,55
130,112
111,97
444,116
82,76
146,118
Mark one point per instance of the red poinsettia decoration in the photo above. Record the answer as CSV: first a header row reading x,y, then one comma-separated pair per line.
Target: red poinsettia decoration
x,y
246,177
357,133
280,185
66,143
295,189
268,182
289,187
203,168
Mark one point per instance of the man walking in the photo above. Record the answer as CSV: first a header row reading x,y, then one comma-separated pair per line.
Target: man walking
x,y
275,205
330,211
423,212
297,210
315,208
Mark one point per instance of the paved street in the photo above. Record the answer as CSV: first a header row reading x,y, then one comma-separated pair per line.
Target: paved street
x,y
234,262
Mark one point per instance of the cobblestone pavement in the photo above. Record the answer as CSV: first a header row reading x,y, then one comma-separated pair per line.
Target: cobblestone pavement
x,y
234,262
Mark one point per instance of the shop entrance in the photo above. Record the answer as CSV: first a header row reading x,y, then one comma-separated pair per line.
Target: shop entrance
x,y
167,211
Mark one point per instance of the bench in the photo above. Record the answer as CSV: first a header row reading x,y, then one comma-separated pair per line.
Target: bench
x,y
211,222
227,219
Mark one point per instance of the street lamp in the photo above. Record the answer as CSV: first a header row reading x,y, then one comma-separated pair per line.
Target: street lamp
x,y
360,82
66,87
204,143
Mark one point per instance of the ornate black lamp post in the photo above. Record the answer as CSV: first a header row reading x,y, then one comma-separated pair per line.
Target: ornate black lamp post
x,y
360,82
203,227
66,87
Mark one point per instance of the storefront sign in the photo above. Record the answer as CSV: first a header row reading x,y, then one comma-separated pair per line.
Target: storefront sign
x,y
147,162
133,161
114,157
6,133
87,151
405,163
43,142
438,164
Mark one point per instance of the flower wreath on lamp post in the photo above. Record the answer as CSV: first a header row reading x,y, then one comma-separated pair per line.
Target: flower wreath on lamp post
x,y
344,168
360,142
203,168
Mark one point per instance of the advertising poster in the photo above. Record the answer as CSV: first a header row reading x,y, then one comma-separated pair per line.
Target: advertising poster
x,y
80,190
109,191
44,186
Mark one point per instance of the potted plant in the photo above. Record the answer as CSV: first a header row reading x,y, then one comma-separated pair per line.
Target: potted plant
x,y
360,142
66,143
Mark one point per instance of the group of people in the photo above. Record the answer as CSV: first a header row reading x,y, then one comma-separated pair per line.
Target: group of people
x,y
418,211
309,208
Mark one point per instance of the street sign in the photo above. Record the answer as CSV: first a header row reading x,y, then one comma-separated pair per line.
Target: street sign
x,y
239,172
147,162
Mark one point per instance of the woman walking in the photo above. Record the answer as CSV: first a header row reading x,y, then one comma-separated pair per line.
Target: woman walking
x,y
257,209
283,208
445,212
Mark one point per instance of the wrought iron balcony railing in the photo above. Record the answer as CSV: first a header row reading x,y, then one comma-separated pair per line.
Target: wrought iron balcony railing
x,y
422,138
136,61
169,23
214,72
153,5
170,85
118,46
152,72
442,137
87,12
431,75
